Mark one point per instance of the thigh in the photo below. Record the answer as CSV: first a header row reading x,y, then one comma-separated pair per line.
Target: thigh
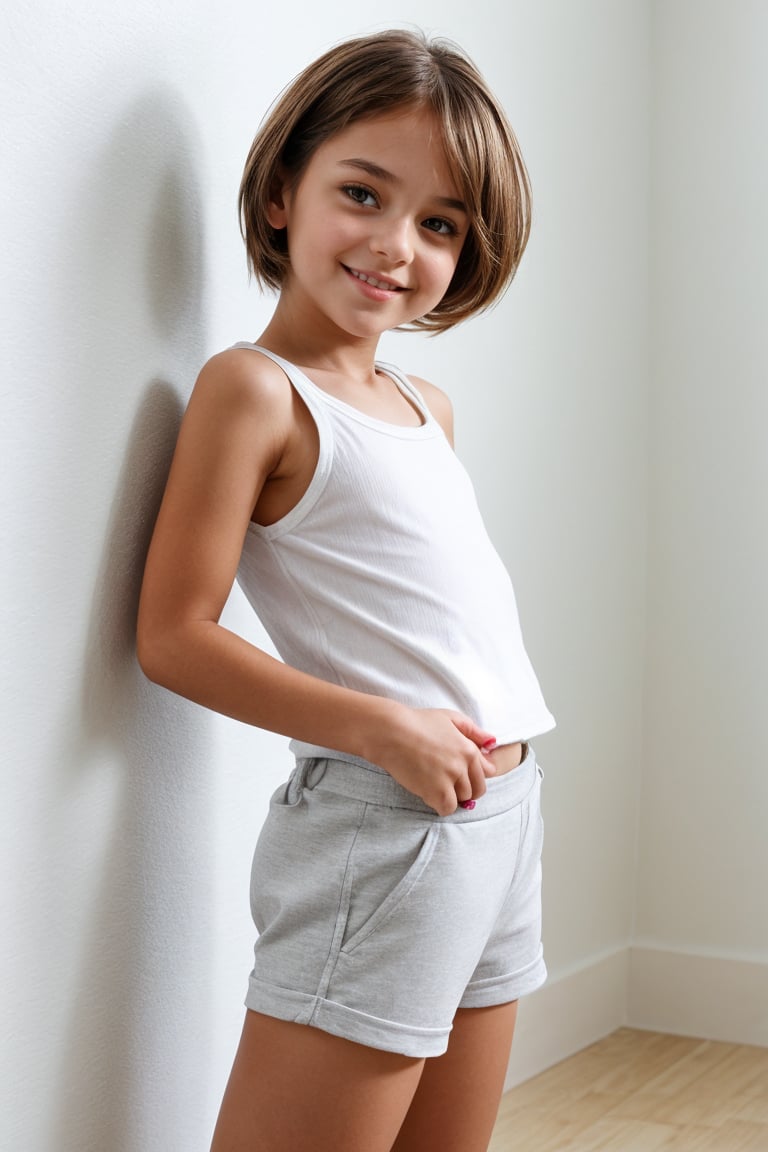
x,y
293,1086
455,1105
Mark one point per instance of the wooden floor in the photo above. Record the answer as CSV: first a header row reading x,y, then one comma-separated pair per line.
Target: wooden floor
x,y
639,1092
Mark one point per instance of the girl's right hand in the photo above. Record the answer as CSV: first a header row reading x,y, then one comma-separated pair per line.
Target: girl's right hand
x,y
440,755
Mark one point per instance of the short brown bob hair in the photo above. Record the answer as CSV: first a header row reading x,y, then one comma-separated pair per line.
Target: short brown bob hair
x,y
377,74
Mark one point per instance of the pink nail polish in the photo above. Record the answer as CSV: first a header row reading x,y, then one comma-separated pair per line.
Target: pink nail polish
x,y
489,745
468,804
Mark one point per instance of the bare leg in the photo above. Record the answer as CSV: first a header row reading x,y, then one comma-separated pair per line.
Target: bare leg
x,y
457,1099
294,1088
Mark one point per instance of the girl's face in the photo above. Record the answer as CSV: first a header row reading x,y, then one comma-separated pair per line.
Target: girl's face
x,y
375,225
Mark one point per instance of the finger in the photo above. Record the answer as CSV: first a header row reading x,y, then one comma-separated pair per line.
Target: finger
x,y
479,736
489,768
445,802
477,775
466,789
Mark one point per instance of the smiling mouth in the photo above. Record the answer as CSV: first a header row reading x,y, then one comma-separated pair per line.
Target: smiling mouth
x,y
386,285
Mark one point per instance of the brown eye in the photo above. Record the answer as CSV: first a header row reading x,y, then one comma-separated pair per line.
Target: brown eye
x,y
360,195
442,227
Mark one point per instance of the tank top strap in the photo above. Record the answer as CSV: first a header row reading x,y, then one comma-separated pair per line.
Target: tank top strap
x,y
321,404
309,392
408,388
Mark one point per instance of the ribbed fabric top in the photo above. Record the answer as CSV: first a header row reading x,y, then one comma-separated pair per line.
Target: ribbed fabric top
x,y
383,578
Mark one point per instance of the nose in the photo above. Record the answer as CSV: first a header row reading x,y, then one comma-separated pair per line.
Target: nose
x,y
393,239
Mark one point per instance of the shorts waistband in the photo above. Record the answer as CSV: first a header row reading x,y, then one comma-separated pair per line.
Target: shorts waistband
x,y
362,781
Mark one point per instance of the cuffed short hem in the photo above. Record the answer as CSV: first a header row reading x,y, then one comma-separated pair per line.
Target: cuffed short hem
x,y
348,1023
377,918
502,989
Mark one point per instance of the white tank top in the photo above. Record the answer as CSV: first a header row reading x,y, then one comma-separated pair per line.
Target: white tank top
x,y
383,579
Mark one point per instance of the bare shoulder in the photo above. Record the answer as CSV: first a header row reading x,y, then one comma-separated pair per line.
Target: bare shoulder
x,y
242,378
438,403
243,397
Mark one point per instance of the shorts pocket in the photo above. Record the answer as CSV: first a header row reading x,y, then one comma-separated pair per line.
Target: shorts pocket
x,y
369,906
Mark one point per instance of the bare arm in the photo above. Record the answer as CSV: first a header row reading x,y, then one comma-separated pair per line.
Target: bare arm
x,y
238,431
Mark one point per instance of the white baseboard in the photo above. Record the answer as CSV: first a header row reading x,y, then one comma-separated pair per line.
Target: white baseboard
x,y
681,993
568,1014
690,995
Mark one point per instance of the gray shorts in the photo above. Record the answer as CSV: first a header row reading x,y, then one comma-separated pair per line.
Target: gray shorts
x,y
378,918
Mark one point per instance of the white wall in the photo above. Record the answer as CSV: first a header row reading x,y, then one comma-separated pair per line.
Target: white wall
x,y
703,849
129,817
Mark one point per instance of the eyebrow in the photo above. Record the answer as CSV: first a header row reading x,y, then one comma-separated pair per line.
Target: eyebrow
x,y
379,173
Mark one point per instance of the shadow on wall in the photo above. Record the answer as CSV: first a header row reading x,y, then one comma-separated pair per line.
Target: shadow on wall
x,y
137,1040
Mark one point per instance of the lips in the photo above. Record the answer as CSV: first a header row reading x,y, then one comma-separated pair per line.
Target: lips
x,y
367,278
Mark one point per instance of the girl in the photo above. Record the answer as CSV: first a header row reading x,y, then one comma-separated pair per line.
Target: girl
x,y
396,883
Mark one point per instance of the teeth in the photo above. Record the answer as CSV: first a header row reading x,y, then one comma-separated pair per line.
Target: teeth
x,y
371,280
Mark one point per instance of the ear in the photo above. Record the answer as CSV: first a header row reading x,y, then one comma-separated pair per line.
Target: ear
x,y
277,205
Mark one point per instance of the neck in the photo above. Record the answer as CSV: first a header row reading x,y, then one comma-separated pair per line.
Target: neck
x,y
323,346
